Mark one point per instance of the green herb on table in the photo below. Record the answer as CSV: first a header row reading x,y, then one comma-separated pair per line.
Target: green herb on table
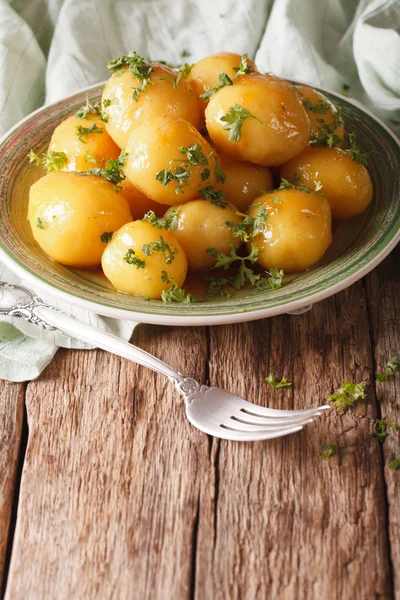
x,y
83,131
330,450
390,369
177,294
347,395
106,237
169,222
162,247
131,258
234,119
274,383
394,463
394,425
41,223
52,161
381,430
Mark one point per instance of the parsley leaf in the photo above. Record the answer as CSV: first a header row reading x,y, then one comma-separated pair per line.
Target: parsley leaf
x,y
390,369
347,395
234,119
169,222
243,68
274,383
275,278
287,185
194,155
131,258
354,151
112,170
221,176
184,72
181,176
137,65
224,80
330,450
249,227
161,246
326,132
381,430
89,157
95,109
394,464
51,160
81,131
177,294
41,223
216,197
321,107
245,273
106,237
217,286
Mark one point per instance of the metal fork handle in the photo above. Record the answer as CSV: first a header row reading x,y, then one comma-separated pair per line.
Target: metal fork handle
x,y
106,341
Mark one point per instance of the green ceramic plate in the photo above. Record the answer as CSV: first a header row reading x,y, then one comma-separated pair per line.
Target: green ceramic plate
x,y
358,246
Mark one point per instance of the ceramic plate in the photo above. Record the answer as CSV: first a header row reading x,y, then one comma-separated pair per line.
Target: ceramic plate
x,y
358,245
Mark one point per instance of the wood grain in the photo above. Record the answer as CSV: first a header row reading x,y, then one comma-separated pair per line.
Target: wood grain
x,y
383,293
11,417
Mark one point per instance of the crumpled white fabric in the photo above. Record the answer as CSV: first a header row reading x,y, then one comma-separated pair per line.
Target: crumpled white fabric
x,y
50,49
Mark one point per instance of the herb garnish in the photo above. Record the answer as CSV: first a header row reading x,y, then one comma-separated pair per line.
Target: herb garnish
x,y
81,131
112,170
381,430
394,464
243,68
354,152
161,246
89,157
177,294
41,223
183,72
169,222
287,185
216,197
106,237
274,383
234,119
321,107
131,258
194,157
330,450
390,369
217,285
139,68
249,227
221,176
326,132
51,160
224,80
95,109
347,395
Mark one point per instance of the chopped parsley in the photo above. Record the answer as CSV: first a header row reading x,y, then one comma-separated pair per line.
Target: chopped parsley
x,y
330,450
354,152
347,395
221,176
106,237
112,170
245,273
83,131
275,278
183,72
234,119
162,247
287,185
194,157
169,222
326,132
51,160
321,107
381,430
390,369
177,294
41,223
217,285
243,68
249,227
165,277
216,197
131,258
89,157
139,68
88,108
181,177
223,80
274,383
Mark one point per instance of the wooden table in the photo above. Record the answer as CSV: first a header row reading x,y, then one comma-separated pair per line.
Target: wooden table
x,y
107,492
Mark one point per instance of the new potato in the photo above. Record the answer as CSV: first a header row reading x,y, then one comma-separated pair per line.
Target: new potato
x,y
323,110
297,231
346,183
244,181
69,212
138,202
144,278
278,129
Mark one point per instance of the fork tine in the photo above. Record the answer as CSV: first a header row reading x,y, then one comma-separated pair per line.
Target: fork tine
x,y
242,417
247,436
239,426
261,411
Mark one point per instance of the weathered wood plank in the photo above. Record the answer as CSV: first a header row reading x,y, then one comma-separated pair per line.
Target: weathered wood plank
x,y
11,418
110,489
286,524
383,293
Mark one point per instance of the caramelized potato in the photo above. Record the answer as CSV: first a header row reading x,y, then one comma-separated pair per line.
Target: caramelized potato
x,y
319,108
202,225
204,75
346,184
160,97
155,148
137,256
297,231
68,214
84,150
259,119
244,181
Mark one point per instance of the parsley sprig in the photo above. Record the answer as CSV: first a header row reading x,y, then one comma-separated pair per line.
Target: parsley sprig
x,y
223,80
137,65
162,247
112,170
106,237
347,395
217,285
82,131
354,152
287,185
326,135
244,67
177,294
51,160
234,119
249,227
132,259
194,156
390,369
321,107
216,197
88,108
169,222
274,383
183,73
381,431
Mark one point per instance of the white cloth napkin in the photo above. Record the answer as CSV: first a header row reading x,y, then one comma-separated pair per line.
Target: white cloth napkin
x,y
53,48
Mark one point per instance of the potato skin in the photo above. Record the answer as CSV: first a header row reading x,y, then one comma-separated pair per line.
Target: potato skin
x,y
328,117
152,147
285,128
100,145
297,231
346,184
75,211
144,281
205,73
162,98
244,181
202,225
139,204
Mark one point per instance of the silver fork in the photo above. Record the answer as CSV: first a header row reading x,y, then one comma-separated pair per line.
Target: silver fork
x,y
212,410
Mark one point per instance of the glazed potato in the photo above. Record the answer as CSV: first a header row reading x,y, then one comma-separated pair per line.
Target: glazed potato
x,y
136,257
320,108
244,181
297,231
68,214
205,74
345,183
139,204
259,119
202,225
160,97
84,151
154,149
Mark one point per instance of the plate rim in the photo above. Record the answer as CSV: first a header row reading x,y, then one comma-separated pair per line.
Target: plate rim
x,y
186,319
